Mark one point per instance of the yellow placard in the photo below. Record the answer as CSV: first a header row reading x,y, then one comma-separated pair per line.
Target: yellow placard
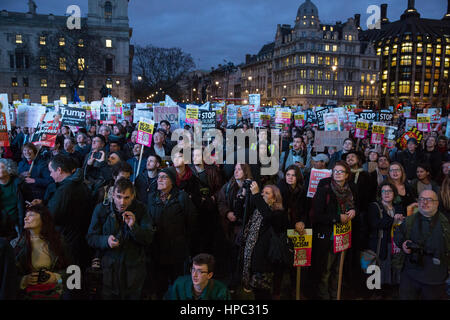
x,y
362,125
423,119
378,129
145,127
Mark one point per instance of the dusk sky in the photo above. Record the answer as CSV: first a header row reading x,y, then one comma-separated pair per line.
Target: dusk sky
x,y
214,30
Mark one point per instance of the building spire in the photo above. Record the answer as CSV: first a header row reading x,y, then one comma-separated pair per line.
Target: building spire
x,y
411,11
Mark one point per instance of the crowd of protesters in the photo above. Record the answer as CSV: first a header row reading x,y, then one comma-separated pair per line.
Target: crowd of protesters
x,y
161,231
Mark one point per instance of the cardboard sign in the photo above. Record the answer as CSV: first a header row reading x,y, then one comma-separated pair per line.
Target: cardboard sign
x,y
145,113
302,247
342,236
407,112
208,120
4,107
245,111
315,177
435,114
410,123
73,116
424,122
331,121
320,111
166,113
45,134
412,133
4,139
299,119
390,136
254,99
231,115
385,116
368,115
362,127
145,132
324,139
28,116
378,129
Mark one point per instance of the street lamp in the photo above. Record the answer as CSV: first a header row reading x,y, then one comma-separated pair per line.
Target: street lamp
x,y
334,68
139,78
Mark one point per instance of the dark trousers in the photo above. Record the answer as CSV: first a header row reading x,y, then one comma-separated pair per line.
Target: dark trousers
x,y
165,276
411,289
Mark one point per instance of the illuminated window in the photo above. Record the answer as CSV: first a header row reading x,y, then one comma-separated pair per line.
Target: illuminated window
x,y
327,47
302,74
319,74
403,87
63,99
429,62
108,43
109,84
302,59
419,60
82,98
311,74
426,88
447,63
19,38
394,61
362,77
44,99
302,89
26,96
311,89
43,63
348,90
438,49
335,61
331,28
392,91
405,61
319,90
319,60
328,75
386,51
327,92
407,47
44,83
42,40
419,48
81,85
385,75
447,50
394,49
383,87
361,93
313,59
62,64
63,84
14,82
435,87
327,61
62,41
445,74
335,48
81,43
379,51
437,62
429,48
417,87
81,64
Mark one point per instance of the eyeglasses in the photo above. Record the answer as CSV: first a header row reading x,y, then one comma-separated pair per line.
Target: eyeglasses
x,y
395,170
427,200
163,177
387,191
339,171
198,271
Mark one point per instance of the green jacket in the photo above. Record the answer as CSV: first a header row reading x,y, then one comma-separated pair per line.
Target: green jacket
x,y
183,286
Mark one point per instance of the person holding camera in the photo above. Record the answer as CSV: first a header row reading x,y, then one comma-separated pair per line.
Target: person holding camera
x,y
424,239
122,229
40,256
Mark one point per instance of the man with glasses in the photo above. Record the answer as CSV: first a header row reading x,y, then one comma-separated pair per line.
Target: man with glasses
x,y
176,220
199,285
424,240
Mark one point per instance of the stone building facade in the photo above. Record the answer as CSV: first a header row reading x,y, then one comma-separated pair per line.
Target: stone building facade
x,y
22,34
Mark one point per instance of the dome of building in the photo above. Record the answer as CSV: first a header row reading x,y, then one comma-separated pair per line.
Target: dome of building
x,y
307,9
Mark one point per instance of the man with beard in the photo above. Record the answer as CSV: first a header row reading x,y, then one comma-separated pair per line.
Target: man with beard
x,y
146,182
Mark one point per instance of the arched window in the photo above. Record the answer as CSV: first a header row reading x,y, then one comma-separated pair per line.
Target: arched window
x,y
108,10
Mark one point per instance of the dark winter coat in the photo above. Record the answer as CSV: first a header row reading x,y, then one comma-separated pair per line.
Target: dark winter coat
x,y
124,268
295,203
8,272
434,159
42,176
409,161
18,185
176,222
145,185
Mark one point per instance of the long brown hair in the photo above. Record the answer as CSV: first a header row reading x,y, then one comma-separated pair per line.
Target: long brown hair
x,y
444,193
403,178
48,234
278,204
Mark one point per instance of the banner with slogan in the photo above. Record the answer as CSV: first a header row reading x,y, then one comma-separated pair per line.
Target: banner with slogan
x,y
208,120
410,123
4,107
192,114
412,133
264,120
368,115
299,119
331,121
389,137
435,114
254,99
47,130
73,116
378,129
320,111
166,113
385,116
407,112
254,114
145,113
311,116
28,116
145,132
362,127
283,116
424,122
108,111
245,111
4,138
231,115
342,236
315,177
302,247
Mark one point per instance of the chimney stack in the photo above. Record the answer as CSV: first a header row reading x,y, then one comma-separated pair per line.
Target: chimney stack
x,y
411,4
447,16
384,18
358,20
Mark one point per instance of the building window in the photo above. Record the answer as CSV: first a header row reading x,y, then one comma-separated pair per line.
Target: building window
x,y
44,83
407,47
319,74
436,74
311,74
62,64
328,75
394,49
348,90
43,63
109,84
394,62
62,42
335,61
385,75
386,51
44,99
438,49
14,82
81,85
81,64
445,74
447,50
392,91
419,48
429,62
426,88
319,90
429,48
447,63
327,47
15,96
438,62
82,98
313,59
379,52
109,65
405,61
403,87
311,89
26,96
19,38
319,60
108,10
417,87
62,84
327,61
42,41
435,87
428,73
25,82
302,89
384,88
335,48
361,92
63,99
108,43
302,74
419,60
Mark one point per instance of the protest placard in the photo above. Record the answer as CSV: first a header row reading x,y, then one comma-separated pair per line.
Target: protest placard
x,y
424,122
73,116
342,236
145,113
4,107
4,138
166,113
145,132
28,116
299,119
231,115
302,247
320,111
208,120
378,129
410,123
254,99
192,114
435,114
331,121
315,176
362,126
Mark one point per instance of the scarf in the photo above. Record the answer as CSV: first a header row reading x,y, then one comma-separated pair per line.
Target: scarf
x,y
187,175
344,196
251,234
356,172
164,196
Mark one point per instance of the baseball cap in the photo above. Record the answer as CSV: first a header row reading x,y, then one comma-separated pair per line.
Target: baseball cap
x,y
321,157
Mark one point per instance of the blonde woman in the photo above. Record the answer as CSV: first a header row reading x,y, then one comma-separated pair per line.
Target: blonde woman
x,y
405,192
444,197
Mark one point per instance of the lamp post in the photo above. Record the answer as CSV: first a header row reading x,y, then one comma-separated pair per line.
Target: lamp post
x,y
334,68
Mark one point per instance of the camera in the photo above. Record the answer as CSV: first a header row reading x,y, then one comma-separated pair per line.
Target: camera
x,y
43,276
417,253
247,184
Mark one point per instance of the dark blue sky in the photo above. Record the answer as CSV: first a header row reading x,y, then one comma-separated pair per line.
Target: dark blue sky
x,y
214,30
